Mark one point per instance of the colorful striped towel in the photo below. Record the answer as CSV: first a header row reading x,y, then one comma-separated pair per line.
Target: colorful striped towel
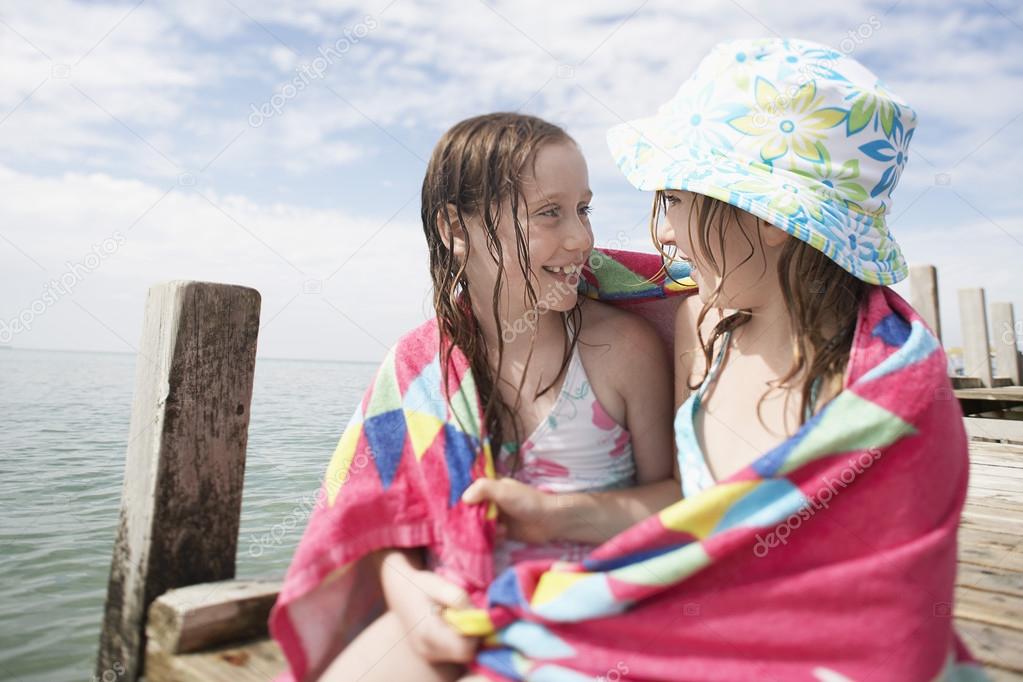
x,y
831,557
397,475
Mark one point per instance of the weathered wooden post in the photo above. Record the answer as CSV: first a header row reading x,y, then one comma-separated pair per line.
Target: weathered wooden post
x,y
1003,325
923,295
181,500
976,348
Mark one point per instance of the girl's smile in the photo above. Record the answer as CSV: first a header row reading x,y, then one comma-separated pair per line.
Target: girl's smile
x,y
567,274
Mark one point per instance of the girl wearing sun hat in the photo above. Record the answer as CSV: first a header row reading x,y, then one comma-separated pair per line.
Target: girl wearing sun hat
x,y
774,166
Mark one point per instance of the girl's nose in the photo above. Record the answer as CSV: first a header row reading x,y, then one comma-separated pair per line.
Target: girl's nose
x,y
580,237
665,232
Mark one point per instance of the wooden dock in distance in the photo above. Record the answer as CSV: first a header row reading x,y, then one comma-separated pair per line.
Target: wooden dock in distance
x,y
989,583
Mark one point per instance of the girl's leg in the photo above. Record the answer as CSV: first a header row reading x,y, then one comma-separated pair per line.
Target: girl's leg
x,y
382,653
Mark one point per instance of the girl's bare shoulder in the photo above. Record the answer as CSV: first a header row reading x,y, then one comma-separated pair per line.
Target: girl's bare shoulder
x,y
618,334
623,355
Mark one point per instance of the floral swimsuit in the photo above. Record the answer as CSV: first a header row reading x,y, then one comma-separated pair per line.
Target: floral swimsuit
x,y
578,447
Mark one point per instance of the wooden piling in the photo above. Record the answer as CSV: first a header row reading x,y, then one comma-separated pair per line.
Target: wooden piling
x,y
181,499
923,295
1003,326
976,348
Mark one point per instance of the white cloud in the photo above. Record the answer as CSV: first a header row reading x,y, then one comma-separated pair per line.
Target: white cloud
x,y
85,152
279,249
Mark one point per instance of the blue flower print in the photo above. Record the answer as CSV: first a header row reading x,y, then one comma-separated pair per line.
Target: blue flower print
x,y
896,150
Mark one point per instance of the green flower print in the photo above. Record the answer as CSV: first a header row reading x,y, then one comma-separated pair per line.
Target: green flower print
x,y
875,106
837,181
789,199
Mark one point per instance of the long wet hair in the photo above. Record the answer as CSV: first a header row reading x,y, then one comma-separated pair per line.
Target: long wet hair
x,y
816,291
476,170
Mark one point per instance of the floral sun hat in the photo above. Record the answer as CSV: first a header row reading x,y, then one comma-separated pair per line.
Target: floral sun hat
x,y
794,132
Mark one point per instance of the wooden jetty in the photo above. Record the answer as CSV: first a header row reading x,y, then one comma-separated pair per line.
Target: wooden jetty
x,y
175,612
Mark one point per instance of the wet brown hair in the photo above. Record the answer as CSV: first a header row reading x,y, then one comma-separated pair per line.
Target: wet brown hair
x,y
475,171
815,288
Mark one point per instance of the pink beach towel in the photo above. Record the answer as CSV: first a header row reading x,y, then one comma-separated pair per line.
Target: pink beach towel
x,y
831,557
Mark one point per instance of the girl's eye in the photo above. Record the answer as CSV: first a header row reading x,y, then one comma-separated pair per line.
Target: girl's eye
x,y
670,200
551,212
586,210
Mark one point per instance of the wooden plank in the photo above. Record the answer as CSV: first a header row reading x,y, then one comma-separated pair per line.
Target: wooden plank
x,y
984,606
1006,452
987,487
993,505
987,548
257,661
999,471
995,483
995,461
996,454
181,498
923,295
997,429
1003,327
201,616
992,645
990,579
990,520
1009,501
974,382
999,393
996,507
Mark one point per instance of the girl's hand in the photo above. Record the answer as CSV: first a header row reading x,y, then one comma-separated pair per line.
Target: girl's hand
x,y
527,514
537,517
417,597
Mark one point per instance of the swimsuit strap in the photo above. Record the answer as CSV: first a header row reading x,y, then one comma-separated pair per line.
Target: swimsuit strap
x,y
715,366
568,385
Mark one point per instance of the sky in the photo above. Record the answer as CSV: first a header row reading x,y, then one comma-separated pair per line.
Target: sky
x,y
282,146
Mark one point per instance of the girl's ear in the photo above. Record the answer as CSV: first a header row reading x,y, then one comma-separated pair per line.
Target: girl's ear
x,y
452,232
773,236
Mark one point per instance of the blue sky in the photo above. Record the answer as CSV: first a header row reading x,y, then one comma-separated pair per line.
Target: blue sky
x,y
127,132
